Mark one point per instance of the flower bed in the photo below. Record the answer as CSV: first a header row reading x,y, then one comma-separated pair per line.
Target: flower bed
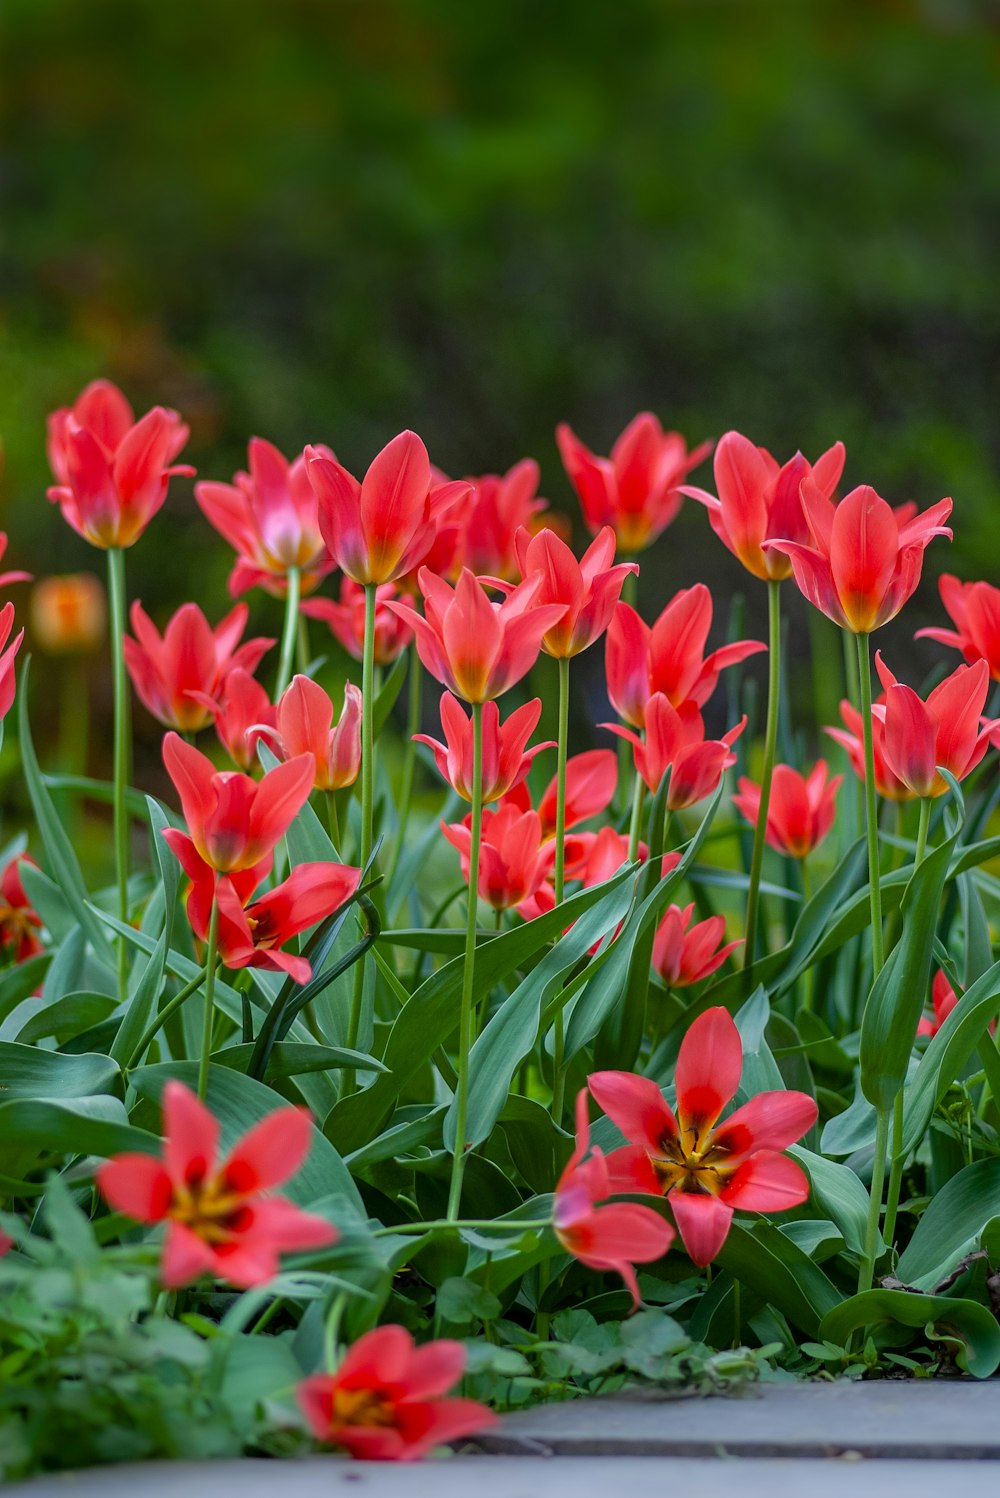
x,y
292,1153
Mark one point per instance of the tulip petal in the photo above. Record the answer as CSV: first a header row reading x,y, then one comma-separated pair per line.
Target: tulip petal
x,y
708,1069
766,1182
703,1223
770,1121
637,1106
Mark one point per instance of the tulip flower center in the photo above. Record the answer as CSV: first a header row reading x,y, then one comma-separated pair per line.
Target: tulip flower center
x,y
16,925
362,1407
690,1163
211,1206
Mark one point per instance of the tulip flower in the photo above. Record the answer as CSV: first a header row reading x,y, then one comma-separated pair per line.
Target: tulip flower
x,y
270,518
706,1169
381,529
346,620
614,1236
497,507
506,758
514,859
851,738
304,726
975,611
759,501
252,932
385,1401
220,1219
801,810
591,781
476,648
636,490
943,998
233,822
7,656
6,578
669,657
678,743
20,923
684,954
945,730
68,614
860,564
241,714
589,589
111,471
179,678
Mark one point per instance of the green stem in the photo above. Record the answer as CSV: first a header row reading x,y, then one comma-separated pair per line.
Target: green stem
x,y
333,821
770,746
562,750
211,964
867,1271
896,1167
413,718
161,1017
871,803
629,593
367,806
522,1225
303,654
289,634
116,611
635,826
468,977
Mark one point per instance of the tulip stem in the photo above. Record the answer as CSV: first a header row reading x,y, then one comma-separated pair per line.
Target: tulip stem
x,y
367,801
332,819
896,1165
211,963
770,746
413,720
871,803
558,1028
289,634
160,1018
116,610
635,826
867,1271
468,977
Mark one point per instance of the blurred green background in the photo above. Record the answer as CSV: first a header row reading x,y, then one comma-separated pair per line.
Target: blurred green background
x,y
325,220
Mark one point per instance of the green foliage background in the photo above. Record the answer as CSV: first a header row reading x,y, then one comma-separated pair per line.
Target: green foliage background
x,y
328,219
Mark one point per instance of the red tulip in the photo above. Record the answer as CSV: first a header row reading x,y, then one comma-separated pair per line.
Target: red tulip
x,y
180,678
759,501
234,822
945,730
270,518
862,562
636,490
514,859
220,1221
304,726
506,759
8,680
707,1169
497,507
382,528
346,620
478,649
385,1402
887,783
944,998
112,471
6,578
801,809
589,589
19,921
243,710
252,932
591,782
975,610
684,954
669,658
6,1243
677,743
616,1236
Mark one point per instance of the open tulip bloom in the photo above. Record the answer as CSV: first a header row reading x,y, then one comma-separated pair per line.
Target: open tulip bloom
x,y
706,1169
801,809
346,620
506,757
975,612
946,730
180,676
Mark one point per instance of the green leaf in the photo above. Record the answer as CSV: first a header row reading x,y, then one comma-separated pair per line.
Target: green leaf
x,y
66,1017
838,1192
19,983
76,1126
462,1301
292,1059
391,688
971,1325
239,1102
763,1258
892,1013
947,1053
952,1224
26,1072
